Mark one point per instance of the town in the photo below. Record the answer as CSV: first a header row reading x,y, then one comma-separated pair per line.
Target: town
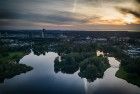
x,y
130,40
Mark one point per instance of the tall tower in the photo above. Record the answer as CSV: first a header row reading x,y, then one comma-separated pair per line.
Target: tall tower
x,y
42,33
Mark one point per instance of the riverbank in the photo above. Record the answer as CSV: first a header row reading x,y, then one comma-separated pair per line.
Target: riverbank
x,y
9,65
129,68
131,78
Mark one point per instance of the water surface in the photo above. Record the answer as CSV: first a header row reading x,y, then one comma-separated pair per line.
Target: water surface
x,y
43,80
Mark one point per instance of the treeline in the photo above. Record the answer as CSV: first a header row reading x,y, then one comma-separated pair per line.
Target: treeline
x,y
72,46
130,70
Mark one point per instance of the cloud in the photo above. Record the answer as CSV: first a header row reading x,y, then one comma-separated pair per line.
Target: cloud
x,y
138,1
134,9
130,11
60,12
56,18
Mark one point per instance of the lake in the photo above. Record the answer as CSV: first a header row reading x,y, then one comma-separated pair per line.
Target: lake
x,y
43,79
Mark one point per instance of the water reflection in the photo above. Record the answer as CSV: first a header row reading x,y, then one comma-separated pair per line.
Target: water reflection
x,y
43,80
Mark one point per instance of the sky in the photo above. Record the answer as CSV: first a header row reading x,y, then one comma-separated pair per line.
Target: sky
x,y
70,14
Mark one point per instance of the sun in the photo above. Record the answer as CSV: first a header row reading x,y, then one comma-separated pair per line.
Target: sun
x,y
129,19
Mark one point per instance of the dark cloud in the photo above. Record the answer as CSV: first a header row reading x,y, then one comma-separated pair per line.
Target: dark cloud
x,y
55,18
138,1
130,11
45,11
135,12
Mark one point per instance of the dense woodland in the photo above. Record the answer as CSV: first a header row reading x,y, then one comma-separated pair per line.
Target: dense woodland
x,y
75,56
90,66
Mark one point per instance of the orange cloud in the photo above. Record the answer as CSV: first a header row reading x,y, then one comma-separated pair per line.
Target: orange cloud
x,y
126,19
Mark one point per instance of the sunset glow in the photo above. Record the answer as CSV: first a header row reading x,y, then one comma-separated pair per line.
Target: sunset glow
x,y
69,13
129,19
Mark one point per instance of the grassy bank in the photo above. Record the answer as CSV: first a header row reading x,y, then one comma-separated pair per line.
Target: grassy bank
x,y
129,77
9,66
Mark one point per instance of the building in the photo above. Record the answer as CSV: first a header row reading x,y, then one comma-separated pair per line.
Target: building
x,y
43,33
133,52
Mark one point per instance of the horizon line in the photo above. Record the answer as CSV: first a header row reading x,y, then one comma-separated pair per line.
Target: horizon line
x,y
72,30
